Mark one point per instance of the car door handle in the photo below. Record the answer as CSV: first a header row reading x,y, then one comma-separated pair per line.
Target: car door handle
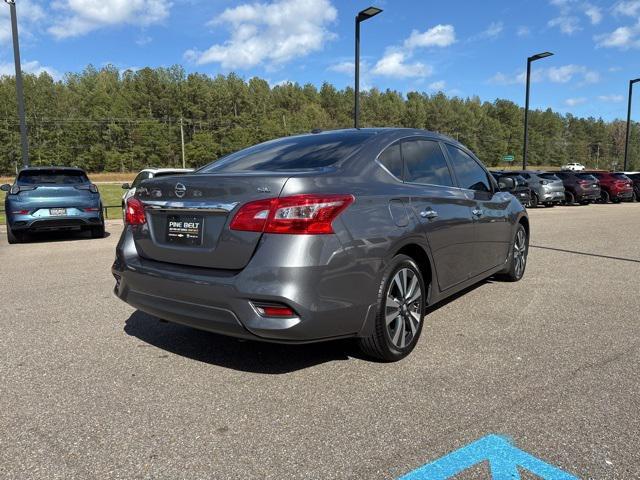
x,y
477,212
429,213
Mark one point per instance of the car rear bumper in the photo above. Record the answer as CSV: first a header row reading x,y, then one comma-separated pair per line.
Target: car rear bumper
x,y
557,196
326,301
49,223
624,195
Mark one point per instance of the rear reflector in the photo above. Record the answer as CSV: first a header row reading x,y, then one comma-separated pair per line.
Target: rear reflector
x,y
134,213
20,212
298,214
274,310
93,209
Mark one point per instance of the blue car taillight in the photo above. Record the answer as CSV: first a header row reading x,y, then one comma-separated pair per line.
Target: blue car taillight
x,y
92,188
16,189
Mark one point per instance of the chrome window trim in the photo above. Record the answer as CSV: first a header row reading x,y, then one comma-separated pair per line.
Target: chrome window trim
x,y
170,206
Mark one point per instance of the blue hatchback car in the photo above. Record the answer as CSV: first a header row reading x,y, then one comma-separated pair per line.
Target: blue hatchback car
x,y
52,198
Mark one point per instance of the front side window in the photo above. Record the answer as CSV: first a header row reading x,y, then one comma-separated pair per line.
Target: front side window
x,y
425,163
470,174
392,160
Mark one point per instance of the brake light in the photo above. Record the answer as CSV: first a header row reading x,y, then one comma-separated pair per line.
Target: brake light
x,y
297,214
91,187
134,213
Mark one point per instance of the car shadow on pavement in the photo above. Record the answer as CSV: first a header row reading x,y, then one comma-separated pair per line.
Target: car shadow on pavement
x,y
63,236
227,352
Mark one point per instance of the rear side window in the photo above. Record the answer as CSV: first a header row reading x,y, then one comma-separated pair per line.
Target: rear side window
x,y
392,160
425,163
470,174
307,152
54,177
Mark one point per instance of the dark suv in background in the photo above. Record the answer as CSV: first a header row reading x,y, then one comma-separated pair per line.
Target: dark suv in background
x,y
582,188
520,188
614,187
635,178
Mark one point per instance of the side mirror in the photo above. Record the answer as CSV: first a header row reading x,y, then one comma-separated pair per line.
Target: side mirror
x,y
5,188
506,184
126,186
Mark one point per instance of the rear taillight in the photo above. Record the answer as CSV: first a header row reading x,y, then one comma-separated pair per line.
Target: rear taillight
x,y
134,213
91,187
93,209
16,189
298,214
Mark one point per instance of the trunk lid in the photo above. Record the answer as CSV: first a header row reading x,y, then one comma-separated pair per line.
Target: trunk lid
x,y
199,207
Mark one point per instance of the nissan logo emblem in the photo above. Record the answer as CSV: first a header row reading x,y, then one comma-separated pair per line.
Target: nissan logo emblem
x,y
180,190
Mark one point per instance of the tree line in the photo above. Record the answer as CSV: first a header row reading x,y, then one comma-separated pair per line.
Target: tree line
x,y
107,120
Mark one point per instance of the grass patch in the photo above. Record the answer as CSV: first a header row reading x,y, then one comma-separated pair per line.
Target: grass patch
x,y
111,194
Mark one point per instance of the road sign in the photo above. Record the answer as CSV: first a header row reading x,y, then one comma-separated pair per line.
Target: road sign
x,y
503,457
508,158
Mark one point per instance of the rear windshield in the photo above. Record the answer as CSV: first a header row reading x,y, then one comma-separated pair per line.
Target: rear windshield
x,y
168,174
586,176
621,176
57,177
549,176
306,152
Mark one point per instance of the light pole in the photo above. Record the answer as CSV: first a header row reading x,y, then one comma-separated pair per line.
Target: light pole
x,y
530,60
365,14
19,88
626,142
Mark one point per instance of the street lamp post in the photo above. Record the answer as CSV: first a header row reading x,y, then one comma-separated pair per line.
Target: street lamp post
x,y
530,60
19,87
626,141
365,14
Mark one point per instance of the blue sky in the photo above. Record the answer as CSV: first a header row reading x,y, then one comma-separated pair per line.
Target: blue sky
x,y
463,48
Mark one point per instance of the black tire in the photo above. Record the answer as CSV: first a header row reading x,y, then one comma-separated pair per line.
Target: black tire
x,y
604,197
519,250
615,200
392,344
569,198
534,202
14,237
97,232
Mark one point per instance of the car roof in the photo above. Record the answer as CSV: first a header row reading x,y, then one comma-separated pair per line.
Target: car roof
x,y
162,170
65,169
391,132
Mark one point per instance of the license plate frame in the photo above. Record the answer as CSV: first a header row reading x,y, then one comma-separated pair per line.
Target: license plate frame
x,y
185,230
58,212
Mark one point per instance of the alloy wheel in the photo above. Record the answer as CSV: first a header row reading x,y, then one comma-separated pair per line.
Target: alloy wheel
x,y
520,253
403,308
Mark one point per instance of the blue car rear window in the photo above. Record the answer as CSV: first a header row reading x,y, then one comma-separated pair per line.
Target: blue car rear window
x,y
57,177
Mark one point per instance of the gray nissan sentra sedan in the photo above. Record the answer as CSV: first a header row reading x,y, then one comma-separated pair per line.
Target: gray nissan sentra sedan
x,y
349,233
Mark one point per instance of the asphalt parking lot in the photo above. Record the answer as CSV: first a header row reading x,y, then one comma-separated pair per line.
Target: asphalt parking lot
x,y
93,389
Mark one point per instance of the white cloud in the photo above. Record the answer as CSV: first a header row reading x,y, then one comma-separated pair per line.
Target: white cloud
x,y
348,68
438,36
269,33
523,31
494,29
562,74
622,38
594,13
629,8
438,86
394,64
573,102
611,98
78,17
567,24
33,67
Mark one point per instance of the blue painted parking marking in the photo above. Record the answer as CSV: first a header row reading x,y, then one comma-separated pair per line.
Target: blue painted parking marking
x,y
503,457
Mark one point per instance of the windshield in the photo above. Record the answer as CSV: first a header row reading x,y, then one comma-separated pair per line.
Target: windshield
x,y
548,176
56,177
587,176
306,152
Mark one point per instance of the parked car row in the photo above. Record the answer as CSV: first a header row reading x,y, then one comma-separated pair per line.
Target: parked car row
x,y
569,187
